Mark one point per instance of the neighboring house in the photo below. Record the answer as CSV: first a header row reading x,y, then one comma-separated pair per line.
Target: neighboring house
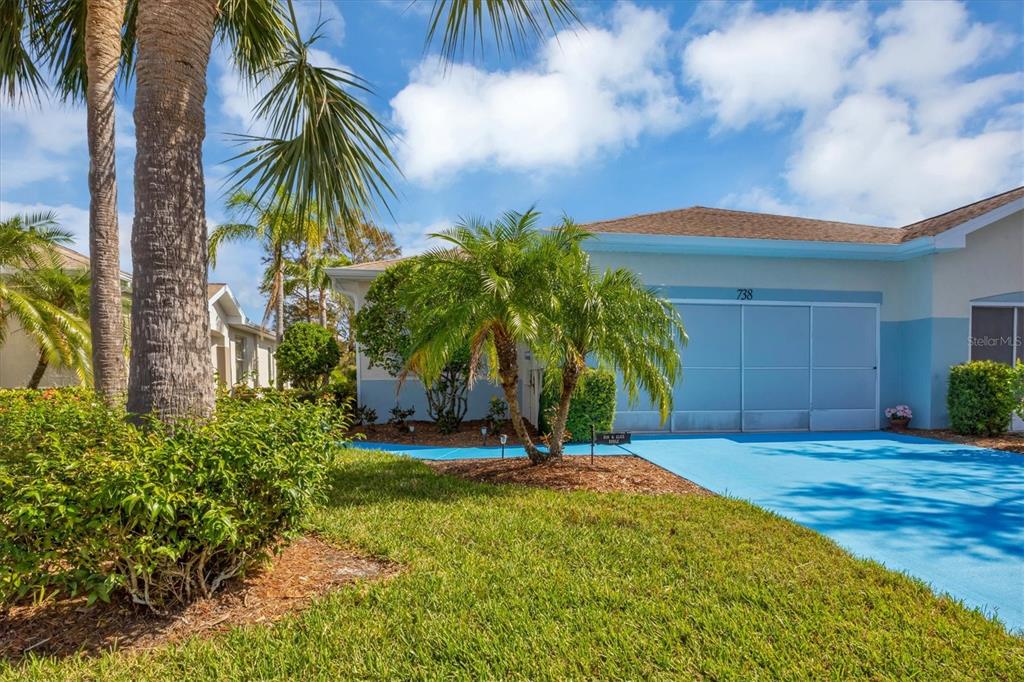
x,y
801,324
19,354
242,352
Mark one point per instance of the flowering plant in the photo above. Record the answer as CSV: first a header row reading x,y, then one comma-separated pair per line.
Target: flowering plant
x,y
899,412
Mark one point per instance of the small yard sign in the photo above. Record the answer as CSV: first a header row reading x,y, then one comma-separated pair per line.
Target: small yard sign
x,y
612,437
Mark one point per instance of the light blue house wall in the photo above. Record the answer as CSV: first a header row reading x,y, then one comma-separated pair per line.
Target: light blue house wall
x,y
921,291
924,306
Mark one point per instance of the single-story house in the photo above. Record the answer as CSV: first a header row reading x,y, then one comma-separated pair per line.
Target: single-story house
x,y
239,349
797,323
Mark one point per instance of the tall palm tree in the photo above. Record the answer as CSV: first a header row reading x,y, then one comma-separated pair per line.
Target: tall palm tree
x,y
81,42
490,286
324,147
611,319
49,304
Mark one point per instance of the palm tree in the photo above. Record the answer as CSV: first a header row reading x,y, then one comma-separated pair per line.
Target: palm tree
x,y
80,41
612,319
490,288
50,305
324,147
274,225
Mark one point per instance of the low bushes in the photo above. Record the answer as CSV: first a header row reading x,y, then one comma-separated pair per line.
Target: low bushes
x,y
92,505
593,403
981,397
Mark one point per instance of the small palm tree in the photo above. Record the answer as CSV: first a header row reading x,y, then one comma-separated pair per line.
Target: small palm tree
x,y
489,289
610,318
49,304
274,224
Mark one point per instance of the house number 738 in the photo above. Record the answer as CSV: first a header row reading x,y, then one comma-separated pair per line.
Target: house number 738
x,y
744,294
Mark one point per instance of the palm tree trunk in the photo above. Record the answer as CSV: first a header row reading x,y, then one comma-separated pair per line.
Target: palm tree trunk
x,y
170,371
508,372
102,54
571,373
40,370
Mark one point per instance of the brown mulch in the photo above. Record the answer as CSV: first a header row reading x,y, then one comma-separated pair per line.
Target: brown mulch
x,y
305,569
1011,442
612,473
468,434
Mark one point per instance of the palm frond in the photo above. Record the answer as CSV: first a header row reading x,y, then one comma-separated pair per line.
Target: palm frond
x,y
20,77
512,23
325,148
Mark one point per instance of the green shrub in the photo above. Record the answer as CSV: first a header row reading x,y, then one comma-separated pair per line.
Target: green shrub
x,y
593,403
981,397
307,355
93,505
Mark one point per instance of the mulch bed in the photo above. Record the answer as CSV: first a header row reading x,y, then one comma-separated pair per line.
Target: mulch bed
x,y
305,569
607,474
1011,442
468,434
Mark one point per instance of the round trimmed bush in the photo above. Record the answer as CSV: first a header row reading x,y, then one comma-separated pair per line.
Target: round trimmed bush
x,y
981,397
307,355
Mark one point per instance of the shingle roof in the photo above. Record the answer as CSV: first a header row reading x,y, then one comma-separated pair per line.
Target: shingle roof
x,y
701,221
212,288
958,216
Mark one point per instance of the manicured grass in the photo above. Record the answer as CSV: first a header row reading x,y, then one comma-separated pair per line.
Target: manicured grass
x,y
527,583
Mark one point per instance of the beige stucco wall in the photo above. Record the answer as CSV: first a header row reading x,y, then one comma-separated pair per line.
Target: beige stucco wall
x,y
992,264
18,358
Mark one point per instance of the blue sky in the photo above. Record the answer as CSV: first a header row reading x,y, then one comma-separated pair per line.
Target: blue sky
x,y
881,113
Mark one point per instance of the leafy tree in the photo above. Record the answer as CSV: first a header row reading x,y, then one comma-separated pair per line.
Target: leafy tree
x,y
49,304
307,355
611,318
383,333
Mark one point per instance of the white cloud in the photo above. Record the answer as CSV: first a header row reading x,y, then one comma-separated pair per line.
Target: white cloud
x,y
867,155
923,45
893,125
592,91
761,65
414,237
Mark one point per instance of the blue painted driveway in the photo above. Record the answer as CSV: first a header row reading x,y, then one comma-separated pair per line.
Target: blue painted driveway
x,y
951,515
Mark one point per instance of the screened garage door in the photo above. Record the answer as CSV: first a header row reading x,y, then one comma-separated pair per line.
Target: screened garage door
x,y
778,367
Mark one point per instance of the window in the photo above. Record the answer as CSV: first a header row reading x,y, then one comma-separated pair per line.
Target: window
x,y
997,333
240,359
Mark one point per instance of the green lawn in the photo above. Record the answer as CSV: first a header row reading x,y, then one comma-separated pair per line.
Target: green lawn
x,y
527,583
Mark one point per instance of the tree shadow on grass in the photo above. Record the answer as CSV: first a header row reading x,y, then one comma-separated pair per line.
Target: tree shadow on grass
x,y
381,478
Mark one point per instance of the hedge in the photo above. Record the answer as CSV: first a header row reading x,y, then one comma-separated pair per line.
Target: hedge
x,y
93,505
593,403
981,397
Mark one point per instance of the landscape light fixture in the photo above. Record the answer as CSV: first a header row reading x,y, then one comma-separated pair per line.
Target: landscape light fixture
x,y
412,432
504,439
483,434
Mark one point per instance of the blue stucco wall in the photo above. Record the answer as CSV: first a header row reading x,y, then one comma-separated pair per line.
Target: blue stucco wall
x,y
916,357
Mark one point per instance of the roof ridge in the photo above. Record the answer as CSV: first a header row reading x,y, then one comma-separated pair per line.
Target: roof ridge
x,y
791,217
909,226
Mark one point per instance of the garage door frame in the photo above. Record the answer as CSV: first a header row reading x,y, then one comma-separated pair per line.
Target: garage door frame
x,y
798,304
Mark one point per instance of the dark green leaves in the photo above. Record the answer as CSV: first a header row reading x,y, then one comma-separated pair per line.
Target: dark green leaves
x,y
512,23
